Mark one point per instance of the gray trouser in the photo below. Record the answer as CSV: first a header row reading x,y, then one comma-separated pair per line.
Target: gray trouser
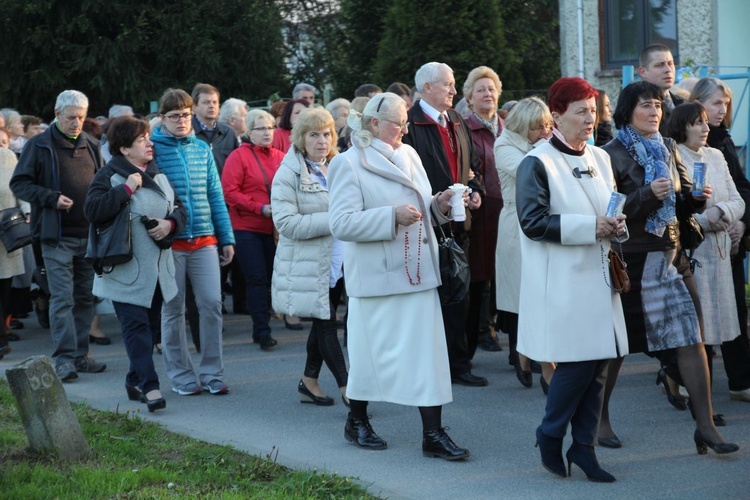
x,y
71,306
202,267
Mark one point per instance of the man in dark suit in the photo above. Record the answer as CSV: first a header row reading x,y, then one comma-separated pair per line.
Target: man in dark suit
x,y
443,141
657,67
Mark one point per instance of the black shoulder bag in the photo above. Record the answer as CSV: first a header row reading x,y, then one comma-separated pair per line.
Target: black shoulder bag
x,y
111,244
454,270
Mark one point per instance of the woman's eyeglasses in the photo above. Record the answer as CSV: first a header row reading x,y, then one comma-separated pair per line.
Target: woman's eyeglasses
x,y
174,118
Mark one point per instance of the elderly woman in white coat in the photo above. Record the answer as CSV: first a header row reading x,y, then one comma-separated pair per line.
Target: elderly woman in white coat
x,y
383,209
136,288
527,126
308,279
568,312
11,264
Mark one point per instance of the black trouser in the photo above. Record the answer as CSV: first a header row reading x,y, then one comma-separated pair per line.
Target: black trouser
x,y
575,397
736,353
4,301
154,315
323,342
454,320
478,322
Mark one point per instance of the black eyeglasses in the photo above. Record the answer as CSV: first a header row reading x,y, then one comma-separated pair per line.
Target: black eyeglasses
x,y
174,118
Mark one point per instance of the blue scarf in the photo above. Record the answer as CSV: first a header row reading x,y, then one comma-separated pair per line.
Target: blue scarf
x,y
653,156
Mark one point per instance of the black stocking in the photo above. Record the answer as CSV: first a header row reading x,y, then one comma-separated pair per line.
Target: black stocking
x,y
358,409
431,417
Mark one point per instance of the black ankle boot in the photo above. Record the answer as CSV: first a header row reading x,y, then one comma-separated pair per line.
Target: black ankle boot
x,y
361,434
436,443
585,458
551,450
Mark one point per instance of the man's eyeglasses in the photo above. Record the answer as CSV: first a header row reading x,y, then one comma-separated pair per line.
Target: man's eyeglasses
x,y
174,118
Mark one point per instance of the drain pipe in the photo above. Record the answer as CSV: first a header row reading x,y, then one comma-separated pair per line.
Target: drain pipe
x,y
581,72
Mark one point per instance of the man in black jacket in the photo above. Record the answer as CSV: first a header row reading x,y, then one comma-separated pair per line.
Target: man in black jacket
x,y
53,175
220,137
443,141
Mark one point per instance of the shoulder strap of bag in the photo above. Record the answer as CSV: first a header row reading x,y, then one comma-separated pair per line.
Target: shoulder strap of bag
x,y
260,166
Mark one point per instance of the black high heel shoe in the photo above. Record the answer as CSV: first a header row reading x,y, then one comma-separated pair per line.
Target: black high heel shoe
x,y
551,451
135,394
154,404
701,442
99,340
292,326
676,401
544,384
718,418
308,397
585,458
523,376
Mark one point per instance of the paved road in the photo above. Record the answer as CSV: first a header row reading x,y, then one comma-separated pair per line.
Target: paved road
x,y
262,415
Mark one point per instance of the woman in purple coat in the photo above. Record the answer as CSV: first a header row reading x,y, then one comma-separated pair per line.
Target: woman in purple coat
x,y
482,90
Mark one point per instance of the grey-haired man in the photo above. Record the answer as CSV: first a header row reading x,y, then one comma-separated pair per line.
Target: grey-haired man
x,y
53,175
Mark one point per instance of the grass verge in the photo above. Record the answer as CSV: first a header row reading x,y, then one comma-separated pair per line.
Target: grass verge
x,y
132,458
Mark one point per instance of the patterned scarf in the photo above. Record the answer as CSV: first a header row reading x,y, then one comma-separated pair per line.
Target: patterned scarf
x,y
314,168
492,126
653,156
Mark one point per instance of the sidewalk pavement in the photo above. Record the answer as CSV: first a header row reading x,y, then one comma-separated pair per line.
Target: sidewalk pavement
x,y
262,415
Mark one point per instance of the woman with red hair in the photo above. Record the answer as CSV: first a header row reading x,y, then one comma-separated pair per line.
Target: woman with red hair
x,y
568,312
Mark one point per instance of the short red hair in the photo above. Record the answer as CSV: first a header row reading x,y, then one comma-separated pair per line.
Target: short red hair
x,y
567,90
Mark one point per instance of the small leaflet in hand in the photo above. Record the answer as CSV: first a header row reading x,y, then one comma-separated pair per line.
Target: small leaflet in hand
x,y
616,204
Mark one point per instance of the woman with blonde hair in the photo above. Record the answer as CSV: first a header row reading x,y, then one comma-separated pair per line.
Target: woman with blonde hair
x,y
528,125
308,276
482,90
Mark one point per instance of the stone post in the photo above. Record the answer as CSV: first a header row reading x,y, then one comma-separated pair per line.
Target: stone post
x,y
45,410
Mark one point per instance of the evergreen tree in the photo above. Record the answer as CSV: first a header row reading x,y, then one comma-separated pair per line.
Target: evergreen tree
x,y
354,54
461,33
534,28
129,52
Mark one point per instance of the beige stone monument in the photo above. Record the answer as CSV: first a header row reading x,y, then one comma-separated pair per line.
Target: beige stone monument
x,y
45,410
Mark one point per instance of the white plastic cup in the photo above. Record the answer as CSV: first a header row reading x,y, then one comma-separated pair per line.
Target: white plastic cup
x,y
458,210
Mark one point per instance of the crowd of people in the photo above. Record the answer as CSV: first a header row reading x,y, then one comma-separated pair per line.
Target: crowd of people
x,y
300,208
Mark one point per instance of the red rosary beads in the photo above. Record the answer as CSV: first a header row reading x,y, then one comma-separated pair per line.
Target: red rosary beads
x,y
419,255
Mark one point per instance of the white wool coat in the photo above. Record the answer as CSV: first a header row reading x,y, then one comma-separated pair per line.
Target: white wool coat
x,y
567,310
714,277
510,148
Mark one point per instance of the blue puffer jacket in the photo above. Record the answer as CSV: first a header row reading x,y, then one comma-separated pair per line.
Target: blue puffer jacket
x,y
190,167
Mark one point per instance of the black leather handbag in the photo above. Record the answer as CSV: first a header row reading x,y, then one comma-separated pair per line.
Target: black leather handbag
x,y
111,244
691,232
454,270
14,230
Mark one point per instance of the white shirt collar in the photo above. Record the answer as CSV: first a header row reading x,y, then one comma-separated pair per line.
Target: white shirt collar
x,y
430,111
